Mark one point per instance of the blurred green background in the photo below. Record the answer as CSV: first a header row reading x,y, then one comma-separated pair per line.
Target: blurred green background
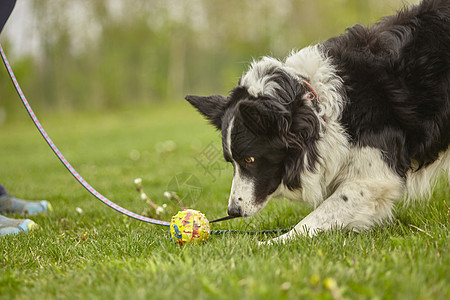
x,y
97,54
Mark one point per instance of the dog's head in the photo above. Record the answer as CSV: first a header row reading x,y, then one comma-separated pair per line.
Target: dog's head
x,y
269,127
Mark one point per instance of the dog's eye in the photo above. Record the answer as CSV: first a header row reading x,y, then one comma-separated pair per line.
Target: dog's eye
x,y
249,159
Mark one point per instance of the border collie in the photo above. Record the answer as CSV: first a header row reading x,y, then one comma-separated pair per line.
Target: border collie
x,y
349,125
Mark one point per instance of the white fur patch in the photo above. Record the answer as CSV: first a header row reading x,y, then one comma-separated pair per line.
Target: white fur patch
x,y
313,64
242,193
420,184
256,80
228,137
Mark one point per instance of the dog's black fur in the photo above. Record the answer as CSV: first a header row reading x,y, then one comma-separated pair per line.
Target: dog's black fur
x,y
397,83
393,86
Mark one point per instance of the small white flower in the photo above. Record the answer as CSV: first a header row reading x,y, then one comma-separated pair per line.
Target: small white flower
x,y
143,196
168,195
79,210
138,181
164,205
159,210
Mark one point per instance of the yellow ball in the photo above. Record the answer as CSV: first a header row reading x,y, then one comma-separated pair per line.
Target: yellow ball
x,y
189,226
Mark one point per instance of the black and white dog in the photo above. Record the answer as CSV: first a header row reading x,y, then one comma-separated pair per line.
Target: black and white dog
x,y
349,125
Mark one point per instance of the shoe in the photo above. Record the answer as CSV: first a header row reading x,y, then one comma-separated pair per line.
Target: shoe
x,y
15,226
12,205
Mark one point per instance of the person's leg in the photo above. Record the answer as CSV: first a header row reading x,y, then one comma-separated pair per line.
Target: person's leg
x,y
12,205
8,203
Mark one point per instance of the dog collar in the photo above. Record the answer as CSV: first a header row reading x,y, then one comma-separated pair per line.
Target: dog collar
x,y
311,95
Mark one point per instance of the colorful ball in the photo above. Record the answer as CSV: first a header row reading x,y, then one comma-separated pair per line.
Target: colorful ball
x,y
189,226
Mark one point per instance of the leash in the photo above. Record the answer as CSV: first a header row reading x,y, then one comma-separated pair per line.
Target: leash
x,y
276,231
64,161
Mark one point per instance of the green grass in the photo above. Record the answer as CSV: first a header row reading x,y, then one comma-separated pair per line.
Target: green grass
x,y
101,254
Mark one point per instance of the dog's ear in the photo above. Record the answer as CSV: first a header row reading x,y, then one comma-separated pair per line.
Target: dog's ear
x,y
264,117
212,107
303,152
305,125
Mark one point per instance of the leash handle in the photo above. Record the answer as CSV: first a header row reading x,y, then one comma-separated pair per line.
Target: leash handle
x,y
65,162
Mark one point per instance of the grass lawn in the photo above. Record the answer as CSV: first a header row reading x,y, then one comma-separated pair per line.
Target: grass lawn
x,y
97,253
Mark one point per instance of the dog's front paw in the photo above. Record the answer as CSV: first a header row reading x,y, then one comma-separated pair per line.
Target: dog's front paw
x,y
282,239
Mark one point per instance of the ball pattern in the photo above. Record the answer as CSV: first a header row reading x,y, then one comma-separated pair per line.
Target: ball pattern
x,y
189,226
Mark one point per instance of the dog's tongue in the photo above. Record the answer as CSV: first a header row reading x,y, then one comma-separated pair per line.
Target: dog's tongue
x,y
222,219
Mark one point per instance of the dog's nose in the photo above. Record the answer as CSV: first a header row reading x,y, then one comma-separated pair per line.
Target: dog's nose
x,y
234,211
